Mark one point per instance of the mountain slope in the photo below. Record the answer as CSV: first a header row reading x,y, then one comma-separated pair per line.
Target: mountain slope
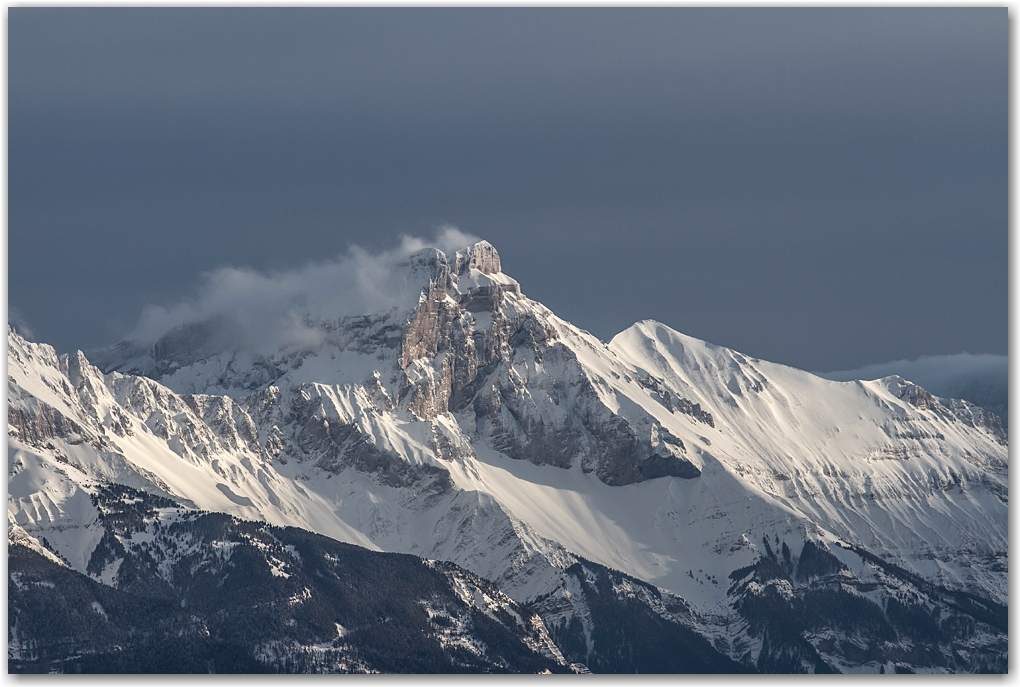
x,y
191,592
473,425
882,464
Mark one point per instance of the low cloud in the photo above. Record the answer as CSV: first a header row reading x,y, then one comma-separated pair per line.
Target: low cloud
x,y
16,321
268,311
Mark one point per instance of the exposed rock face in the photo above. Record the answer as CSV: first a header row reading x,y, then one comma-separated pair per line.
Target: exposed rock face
x,y
231,423
411,430
812,614
675,403
587,613
34,428
482,257
472,346
321,433
952,409
193,591
497,373
72,380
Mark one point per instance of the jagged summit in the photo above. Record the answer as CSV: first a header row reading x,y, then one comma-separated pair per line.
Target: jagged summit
x,y
469,423
482,256
469,269
471,276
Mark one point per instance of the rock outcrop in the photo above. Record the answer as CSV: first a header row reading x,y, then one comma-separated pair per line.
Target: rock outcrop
x,y
472,425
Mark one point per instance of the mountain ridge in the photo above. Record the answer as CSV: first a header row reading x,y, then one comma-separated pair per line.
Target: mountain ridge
x,y
477,427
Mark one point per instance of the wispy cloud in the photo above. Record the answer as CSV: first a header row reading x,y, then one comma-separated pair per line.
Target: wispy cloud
x,y
16,321
268,311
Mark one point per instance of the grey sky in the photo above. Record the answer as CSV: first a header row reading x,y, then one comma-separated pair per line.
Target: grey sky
x,y
824,188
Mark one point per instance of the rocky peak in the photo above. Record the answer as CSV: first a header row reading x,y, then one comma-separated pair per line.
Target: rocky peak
x,y
949,409
430,262
482,257
469,272
76,367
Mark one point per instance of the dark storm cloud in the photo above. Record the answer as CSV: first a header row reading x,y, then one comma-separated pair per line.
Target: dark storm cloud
x,y
824,188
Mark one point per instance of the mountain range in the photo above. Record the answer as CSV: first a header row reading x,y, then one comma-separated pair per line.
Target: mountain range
x,y
465,482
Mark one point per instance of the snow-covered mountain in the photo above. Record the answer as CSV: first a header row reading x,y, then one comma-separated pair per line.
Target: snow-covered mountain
x,y
982,379
179,591
791,522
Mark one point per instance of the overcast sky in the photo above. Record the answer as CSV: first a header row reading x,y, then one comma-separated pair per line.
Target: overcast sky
x,y
823,188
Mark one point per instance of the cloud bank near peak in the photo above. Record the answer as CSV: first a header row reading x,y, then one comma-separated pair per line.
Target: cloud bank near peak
x,y
267,312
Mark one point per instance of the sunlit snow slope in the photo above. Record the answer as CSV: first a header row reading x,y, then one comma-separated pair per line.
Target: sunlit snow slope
x,y
476,426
